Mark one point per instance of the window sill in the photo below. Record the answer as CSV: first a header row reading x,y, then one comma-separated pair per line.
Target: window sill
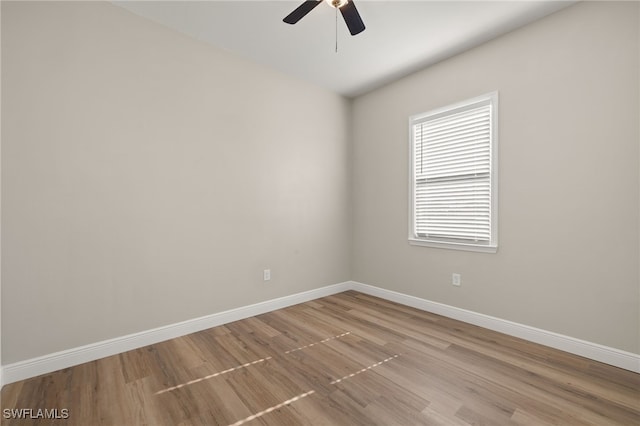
x,y
454,246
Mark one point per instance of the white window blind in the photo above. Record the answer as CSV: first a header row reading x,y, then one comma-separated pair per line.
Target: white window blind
x,y
452,177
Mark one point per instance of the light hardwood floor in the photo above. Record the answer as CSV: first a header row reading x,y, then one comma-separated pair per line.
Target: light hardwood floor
x,y
347,359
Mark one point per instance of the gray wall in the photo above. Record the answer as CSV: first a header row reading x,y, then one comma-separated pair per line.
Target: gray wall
x,y
568,251
148,178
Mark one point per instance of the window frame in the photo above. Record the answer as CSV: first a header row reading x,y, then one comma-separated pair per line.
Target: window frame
x,y
485,247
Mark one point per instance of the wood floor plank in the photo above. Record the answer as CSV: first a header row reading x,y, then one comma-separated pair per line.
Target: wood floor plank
x,y
346,359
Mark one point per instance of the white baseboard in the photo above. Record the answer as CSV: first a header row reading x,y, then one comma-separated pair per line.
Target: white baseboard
x,y
594,351
48,363
56,361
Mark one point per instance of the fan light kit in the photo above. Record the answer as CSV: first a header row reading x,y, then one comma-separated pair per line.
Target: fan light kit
x,y
336,3
346,7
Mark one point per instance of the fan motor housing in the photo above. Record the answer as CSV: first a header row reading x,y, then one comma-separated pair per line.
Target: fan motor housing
x,y
337,3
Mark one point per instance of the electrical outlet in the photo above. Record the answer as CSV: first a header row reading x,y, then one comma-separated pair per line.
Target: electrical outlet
x,y
266,274
456,280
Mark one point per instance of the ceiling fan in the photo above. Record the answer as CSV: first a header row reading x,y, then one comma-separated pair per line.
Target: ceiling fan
x,y
347,8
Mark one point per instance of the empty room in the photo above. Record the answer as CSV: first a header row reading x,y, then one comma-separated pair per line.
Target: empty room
x,y
320,213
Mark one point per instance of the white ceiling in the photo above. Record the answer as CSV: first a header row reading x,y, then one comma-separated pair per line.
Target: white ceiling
x,y
401,36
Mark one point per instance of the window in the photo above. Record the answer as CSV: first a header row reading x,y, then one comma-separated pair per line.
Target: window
x,y
453,200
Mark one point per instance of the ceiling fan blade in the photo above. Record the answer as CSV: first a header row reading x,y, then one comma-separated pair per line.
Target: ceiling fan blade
x,y
301,11
352,18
